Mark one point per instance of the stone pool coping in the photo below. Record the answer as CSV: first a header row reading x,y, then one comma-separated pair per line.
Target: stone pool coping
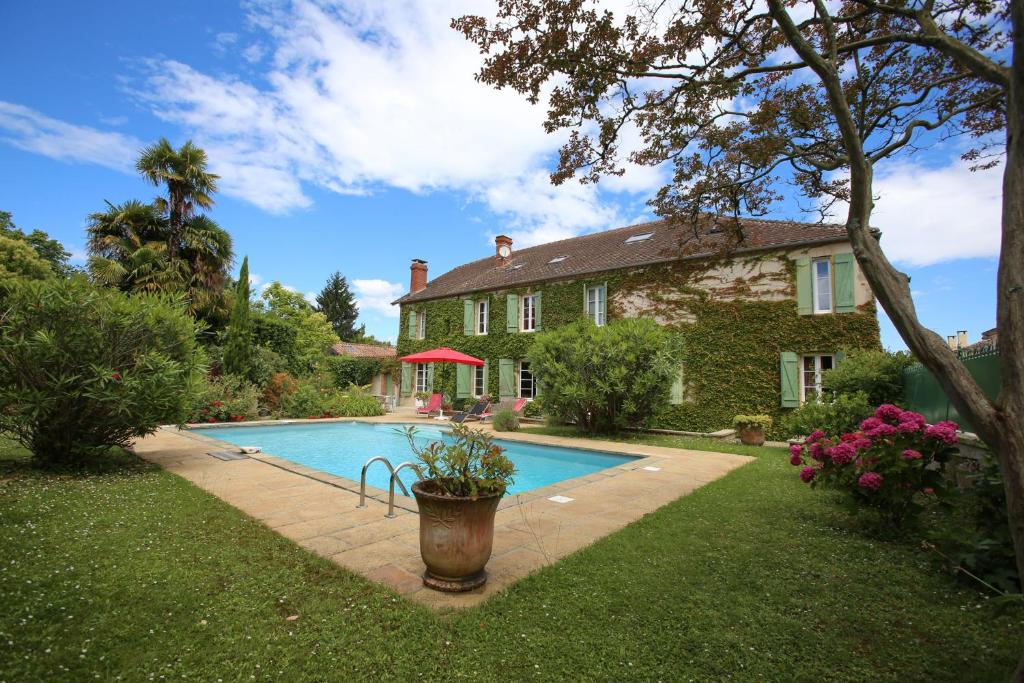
x,y
318,510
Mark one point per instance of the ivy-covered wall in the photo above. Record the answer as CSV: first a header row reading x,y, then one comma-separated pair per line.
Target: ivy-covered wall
x,y
732,337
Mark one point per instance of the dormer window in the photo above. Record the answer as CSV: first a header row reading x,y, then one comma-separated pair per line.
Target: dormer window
x,y
642,237
558,259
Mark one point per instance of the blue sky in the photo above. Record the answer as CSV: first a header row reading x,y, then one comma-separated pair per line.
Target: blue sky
x,y
351,136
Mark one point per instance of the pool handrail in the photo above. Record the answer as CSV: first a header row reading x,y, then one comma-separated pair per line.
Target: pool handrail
x,y
362,479
391,485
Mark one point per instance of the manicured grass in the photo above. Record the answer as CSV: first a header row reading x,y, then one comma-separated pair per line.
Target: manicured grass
x,y
131,572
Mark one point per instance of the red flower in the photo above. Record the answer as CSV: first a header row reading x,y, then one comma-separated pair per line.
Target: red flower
x,y
212,419
116,375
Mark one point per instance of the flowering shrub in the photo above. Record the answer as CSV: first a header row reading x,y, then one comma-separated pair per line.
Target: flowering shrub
x,y
225,399
892,464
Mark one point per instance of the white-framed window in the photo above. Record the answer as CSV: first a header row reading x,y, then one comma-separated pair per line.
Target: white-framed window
x,y
421,325
596,304
528,316
479,381
482,316
821,279
422,377
812,367
527,387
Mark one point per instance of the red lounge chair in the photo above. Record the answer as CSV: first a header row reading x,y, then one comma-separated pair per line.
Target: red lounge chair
x,y
433,406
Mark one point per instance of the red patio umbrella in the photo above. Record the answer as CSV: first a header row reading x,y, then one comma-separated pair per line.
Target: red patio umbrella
x,y
442,355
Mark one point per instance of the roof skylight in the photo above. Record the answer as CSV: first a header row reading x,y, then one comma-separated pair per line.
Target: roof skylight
x,y
517,266
558,259
633,239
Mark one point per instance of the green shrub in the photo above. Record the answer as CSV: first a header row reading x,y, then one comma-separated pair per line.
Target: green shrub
x,y
975,534
841,414
314,398
878,374
264,364
19,260
605,378
280,386
346,370
226,399
84,368
505,421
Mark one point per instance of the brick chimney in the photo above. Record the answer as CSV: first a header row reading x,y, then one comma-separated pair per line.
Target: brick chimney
x,y
502,243
961,339
418,276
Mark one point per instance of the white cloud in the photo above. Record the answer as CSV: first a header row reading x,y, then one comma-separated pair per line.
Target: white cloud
x,y
931,215
376,295
371,95
31,131
255,279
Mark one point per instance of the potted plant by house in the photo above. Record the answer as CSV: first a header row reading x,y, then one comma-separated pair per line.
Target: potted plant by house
x,y
751,428
464,478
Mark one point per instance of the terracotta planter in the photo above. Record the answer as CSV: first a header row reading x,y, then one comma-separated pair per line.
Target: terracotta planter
x,y
455,537
752,436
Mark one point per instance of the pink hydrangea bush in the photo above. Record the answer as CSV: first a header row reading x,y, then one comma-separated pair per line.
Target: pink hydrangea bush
x,y
893,464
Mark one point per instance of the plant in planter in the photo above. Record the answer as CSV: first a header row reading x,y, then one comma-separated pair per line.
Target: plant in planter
x,y
751,428
464,478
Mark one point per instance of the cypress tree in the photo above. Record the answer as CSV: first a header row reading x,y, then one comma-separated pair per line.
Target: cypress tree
x,y
238,350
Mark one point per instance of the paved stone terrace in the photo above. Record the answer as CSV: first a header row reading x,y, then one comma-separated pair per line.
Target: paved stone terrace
x,y
318,511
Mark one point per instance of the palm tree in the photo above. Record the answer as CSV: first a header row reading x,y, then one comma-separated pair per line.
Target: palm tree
x,y
128,247
189,185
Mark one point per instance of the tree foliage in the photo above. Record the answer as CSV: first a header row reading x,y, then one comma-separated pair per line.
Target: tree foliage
x,y
19,260
84,368
313,333
338,305
49,250
605,378
876,373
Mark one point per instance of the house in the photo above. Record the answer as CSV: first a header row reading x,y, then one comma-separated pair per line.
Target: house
x,y
380,358
762,308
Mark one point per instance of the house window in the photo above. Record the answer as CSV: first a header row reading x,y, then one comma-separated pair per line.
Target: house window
x,y
596,304
482,316
422,377
527,388
821,272
528,320
421,325
813,367
479,382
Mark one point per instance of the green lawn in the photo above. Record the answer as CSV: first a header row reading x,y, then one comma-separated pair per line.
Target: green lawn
x,y
131,572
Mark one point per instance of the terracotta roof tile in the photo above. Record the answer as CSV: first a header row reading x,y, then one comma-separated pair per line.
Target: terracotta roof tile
x,y
611,250
362,350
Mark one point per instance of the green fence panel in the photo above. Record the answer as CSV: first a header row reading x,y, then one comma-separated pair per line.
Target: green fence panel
x,y
924,395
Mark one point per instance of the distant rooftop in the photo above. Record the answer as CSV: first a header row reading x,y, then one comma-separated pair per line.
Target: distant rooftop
x,y
362,350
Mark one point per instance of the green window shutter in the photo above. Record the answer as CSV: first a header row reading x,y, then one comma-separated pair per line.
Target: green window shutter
x,y
387,384
840,356
430,377
803,286
790,378
506,378
678,389
512,313
604,304
462,380
845,300
406,379
487,377
412,324
468,313
536,311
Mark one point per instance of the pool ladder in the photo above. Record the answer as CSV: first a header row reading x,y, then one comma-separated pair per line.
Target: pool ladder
x,y
391,485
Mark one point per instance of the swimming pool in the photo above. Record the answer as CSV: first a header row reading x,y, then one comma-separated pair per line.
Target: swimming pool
x,y
341,448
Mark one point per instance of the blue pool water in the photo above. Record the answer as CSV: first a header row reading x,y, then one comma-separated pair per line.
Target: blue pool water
x,y
341,448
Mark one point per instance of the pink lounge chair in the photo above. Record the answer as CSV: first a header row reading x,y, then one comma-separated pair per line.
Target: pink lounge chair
x,y
433,406
516,407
